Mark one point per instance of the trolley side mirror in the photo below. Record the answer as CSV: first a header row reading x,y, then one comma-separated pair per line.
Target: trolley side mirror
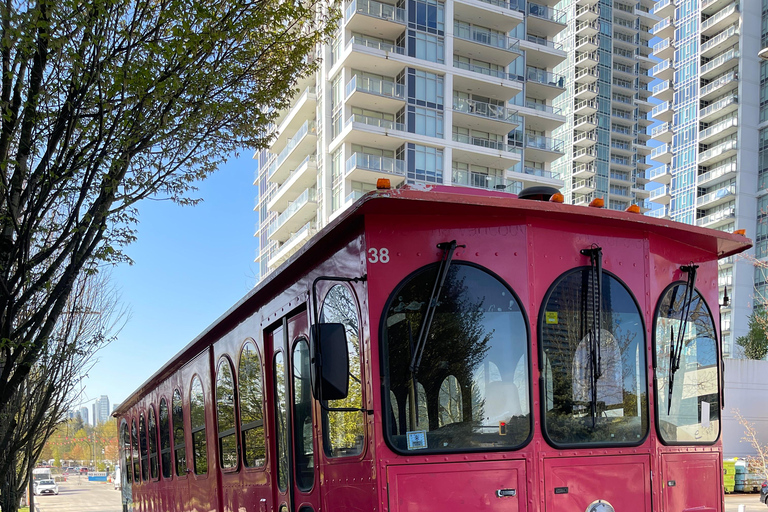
x,y
330,361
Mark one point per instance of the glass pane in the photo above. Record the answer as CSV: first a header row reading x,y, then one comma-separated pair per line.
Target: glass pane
x,y
281,414
688,400
152,434
125,436
302,418
470,386
197,416
165,439
225,415
344,431
179,446
251,407
135,452
143,448
594,386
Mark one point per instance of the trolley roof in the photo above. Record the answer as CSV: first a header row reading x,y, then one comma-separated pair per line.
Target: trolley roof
x,y
434,200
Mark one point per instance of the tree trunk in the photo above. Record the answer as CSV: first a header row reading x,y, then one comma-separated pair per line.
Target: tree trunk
x,y
9,499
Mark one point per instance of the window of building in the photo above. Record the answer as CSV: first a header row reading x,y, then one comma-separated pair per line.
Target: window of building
x,y
225,414
281,416
143,448
152,436
303,440
135,452
165,439
179,443
125,438
197,422
251,407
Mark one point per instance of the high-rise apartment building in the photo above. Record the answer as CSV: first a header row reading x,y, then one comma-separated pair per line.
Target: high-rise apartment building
x,y
713,170
84,414
101,408
607,101
459,92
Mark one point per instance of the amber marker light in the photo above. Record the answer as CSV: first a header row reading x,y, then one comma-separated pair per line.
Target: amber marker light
x,y
742,232
633,208
597,202
557,197
382,183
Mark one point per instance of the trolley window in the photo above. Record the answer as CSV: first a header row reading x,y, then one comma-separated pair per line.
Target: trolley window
x,y
152,437
344,432
465,384
251,407
125,437
179,444
225,415
594,385
143,448
197,416
135,452
302,417
281,417
165,439
687,389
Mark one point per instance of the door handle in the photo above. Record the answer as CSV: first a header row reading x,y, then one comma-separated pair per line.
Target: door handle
x,y
502,493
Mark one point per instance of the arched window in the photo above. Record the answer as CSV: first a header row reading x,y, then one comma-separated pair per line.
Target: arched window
x,y
688,391
251,407
456,386
344,431
197,417
135,452
225,414
594,387
152,437
179,443
125,438
165,439
143,448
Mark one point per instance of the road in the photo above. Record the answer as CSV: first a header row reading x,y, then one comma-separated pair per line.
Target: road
x,y
80,495
751,503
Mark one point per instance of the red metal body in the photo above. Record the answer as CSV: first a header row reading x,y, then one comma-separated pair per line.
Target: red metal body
x,y
387,236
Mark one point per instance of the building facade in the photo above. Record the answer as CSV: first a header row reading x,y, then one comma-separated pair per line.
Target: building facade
x,y
608,72
709,172
459,92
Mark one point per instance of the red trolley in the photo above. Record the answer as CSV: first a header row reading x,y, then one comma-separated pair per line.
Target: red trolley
x,y
445,349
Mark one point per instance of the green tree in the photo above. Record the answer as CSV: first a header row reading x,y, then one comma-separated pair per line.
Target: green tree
x,y
755,343
108,102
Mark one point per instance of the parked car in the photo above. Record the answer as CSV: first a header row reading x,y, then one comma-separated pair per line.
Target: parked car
x,y
764,492
46,487
83,470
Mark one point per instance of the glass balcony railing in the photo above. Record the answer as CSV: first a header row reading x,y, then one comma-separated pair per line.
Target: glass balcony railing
x,y
484,142
716,172
661,66
717,17
711,86
483,70
719,104
486,110
480,180
658,109
308,128
375,163
485,37
544,143
659,150
718,150
379,45
544,42
309,195
658,192
375,121
663,86
658,171
719,61
624,38
660,129
542,107
377,10
715,217
546,13
719,38
717,194
661,4
585,183
377,86
544,77
533,171
661,25
719,127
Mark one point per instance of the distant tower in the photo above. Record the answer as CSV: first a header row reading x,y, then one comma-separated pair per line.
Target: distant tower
x,y
102,409
84,414
95,414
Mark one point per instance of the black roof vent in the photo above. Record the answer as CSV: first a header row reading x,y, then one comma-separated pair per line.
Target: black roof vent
x,y
538,193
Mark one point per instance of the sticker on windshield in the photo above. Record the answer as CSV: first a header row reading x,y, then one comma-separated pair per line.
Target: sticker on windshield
x,y
551,317
705,414
417,439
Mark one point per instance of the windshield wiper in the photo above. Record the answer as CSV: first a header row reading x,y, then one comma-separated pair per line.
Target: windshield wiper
x,y
676,348
595,254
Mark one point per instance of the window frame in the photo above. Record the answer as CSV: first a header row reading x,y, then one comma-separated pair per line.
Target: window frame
x,y
152,434
234,431
168,432
293,415
542,383
143,445
243,428
195,430
175,447
136,461
718,364
126,460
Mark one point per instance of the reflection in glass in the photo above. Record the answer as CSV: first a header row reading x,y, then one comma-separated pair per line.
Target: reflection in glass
x,y
143,447
593,393
225,415
197,420
302,418
125,437
152,434
692,413
135,452
470,390
251,407
344,434
179,444
281,413
165,439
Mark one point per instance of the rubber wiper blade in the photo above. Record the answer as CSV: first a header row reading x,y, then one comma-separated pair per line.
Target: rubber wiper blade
x,y
595,253
676,350
671,369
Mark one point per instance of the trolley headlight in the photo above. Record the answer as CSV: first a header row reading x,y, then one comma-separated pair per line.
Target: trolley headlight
x,y
600,506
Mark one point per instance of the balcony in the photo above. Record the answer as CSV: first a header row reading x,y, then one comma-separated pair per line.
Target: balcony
x,y
725,39
621,178
301,178
583,171
483,116
303,143
367,168
719,130
375,94
662,133
372,17
366,54
587,29
663,49
293,244
496,14
587,59
485,152
545,20
623,131
717,219
663,70
662,112
664,91
543,149
624,162
585,139
710,7
622,147
484,80
375,131
719,21
720,152
718,197
665,28
480,180
544,84
625,39
585,122
496,48
723,172
303,108
664,8
541,52
585,107
583,200
662,154
720,65
719,87
661,174
719,108
300,211
661,195
587,43
541,173
546,117
584,155
586,75
582,187
585,92
587,12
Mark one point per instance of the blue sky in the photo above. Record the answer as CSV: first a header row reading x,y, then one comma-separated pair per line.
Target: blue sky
x,y
190,265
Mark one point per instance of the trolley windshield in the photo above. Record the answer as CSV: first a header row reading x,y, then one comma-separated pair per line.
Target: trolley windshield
x,y
468,386
594,385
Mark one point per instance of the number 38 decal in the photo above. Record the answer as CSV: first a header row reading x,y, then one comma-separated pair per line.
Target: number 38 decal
x,y
378,255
